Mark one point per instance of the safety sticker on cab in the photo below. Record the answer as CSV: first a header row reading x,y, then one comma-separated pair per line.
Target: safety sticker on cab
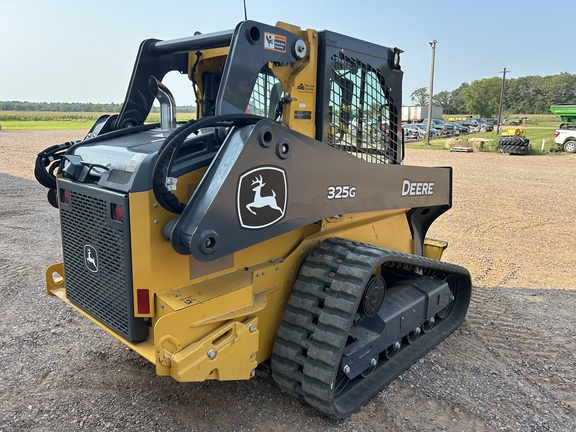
x,y
274,42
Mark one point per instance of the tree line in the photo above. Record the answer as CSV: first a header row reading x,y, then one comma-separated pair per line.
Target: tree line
x,y
524,95
75,107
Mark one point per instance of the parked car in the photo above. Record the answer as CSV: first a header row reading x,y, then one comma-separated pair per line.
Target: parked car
x,y
477,123
444,128
412,131
565,138
459,123
433,131
458,128
370,126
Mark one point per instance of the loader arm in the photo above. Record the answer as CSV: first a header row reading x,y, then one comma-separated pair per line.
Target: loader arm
x,y
308,180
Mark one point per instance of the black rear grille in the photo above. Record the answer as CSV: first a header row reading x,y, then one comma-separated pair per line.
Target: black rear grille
x,y
97,258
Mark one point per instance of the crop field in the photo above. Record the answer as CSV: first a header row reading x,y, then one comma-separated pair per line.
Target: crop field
x,y
48,120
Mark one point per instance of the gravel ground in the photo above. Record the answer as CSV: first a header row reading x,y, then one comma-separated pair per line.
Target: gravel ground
x,y
510,366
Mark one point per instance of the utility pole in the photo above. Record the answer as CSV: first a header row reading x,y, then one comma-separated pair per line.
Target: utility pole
x,y
431,92
503,72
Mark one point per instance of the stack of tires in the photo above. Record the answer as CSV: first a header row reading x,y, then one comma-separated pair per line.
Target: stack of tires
x,y
516,145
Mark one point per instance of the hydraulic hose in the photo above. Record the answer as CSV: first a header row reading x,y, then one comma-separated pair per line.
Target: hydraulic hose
x,y
167,152
48,161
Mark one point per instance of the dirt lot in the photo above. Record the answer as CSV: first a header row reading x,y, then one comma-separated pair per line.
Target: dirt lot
x,y
510,367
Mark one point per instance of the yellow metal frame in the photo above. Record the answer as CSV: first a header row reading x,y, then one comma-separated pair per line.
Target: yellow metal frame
x,y
208,327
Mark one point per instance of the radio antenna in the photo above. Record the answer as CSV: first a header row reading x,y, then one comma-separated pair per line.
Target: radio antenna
x,y
245,13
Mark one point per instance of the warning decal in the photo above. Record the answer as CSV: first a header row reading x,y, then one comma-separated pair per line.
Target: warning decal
x,y
135,161
274,42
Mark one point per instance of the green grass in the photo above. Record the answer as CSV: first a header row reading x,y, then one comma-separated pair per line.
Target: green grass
x,y
43,120
47,125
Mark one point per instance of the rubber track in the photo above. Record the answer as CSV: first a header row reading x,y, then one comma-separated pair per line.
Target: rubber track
x,y
321,311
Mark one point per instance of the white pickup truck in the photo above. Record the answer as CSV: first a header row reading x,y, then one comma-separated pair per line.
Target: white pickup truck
x,y
565,137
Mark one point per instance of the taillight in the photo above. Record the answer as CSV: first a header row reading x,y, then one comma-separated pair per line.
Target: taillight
x,y
117,212
65,196
556,134
143,301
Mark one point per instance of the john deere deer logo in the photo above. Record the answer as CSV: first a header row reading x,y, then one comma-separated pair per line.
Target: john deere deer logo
x,y
259,200
262,196
91,258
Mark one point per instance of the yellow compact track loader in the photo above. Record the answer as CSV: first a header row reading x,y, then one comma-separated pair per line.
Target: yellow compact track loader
x,y
280,225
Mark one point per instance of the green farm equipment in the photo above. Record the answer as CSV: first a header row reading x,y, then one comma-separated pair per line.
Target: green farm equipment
x,y
567,112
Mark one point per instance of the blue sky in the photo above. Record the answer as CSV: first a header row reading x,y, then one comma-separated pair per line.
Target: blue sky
x,y
83,51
